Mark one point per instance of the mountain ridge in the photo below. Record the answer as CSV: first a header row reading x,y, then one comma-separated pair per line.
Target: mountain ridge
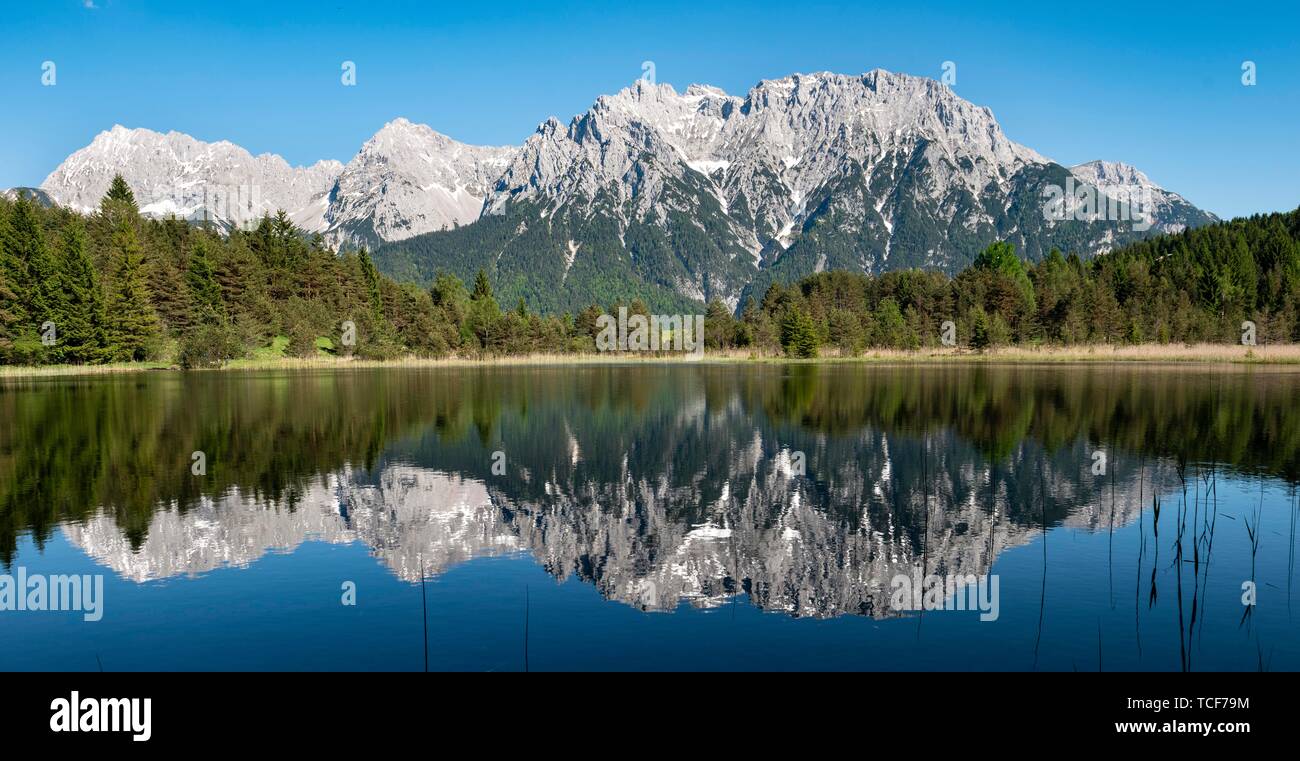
x,y
701,194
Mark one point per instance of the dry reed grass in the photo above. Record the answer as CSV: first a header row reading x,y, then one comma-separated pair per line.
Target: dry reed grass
x,y
1281,354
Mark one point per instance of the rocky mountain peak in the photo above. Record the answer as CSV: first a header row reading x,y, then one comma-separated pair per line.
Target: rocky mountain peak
x,y
700,192
1111,173
408,179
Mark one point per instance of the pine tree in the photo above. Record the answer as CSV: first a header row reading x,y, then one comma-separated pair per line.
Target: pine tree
x,y
132,323
82,334
719,326
240,274
585,324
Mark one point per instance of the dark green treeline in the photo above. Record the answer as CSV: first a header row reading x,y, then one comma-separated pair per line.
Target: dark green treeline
x,y
114,287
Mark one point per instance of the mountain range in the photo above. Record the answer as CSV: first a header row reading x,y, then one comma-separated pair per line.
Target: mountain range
x,y
772,538
674,197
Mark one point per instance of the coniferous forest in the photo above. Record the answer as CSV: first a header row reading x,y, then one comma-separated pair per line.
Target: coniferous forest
x,y
113,286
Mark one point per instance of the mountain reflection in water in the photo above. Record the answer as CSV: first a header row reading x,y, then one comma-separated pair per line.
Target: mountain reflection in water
x,y
657,485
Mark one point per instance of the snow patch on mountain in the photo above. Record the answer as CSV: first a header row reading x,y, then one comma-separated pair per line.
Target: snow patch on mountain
x,y
406,180
704,190
175,174
1170,211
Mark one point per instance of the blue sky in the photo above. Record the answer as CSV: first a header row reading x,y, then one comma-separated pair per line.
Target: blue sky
x,y
1157,88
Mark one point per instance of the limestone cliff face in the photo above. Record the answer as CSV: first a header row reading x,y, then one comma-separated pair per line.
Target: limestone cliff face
x,y
701,192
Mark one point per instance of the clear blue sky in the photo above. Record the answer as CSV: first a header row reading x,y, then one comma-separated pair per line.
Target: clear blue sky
x,y
1156,87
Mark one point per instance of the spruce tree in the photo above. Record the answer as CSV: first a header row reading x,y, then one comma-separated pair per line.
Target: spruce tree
x,y
132,323
371,276
980,338
120,192
10,319
798,334
482,323
12,314
117,205
82,334
482,286
207,307
36,283
166,270
240,273
208,339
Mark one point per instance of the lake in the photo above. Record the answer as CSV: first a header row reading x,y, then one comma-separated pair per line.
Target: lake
x,y
647,516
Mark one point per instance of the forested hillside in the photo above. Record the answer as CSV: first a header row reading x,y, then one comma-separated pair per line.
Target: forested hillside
x,y
116,287
1197,285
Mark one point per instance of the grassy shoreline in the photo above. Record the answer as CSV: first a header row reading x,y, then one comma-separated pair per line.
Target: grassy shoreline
x,y
1221,354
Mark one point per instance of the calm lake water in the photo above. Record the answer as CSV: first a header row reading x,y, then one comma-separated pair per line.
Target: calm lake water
x,y
657,517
